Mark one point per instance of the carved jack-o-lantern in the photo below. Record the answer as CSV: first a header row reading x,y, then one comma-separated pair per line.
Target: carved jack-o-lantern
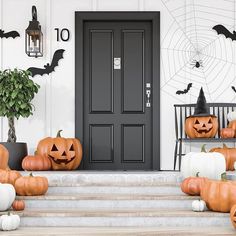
x,y
64,153
201,126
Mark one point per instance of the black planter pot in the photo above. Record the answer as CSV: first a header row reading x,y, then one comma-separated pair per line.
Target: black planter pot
x,y
17,151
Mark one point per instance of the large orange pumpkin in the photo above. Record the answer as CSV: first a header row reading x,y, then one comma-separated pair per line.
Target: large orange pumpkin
x,y
192,185
219,195
201,126
229,154
232,124
233,215
36,163
4,157
9,176
65,153
31,185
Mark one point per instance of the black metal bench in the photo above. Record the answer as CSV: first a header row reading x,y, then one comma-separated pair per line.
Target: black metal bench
x,y
184,110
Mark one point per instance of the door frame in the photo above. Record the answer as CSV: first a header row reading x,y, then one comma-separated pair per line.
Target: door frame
x,y
154,17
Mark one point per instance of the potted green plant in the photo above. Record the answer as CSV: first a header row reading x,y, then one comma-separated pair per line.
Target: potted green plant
x,y
16,93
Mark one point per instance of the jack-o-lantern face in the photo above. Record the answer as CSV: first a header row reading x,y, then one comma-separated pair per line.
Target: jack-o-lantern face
x,y
201,126
64,153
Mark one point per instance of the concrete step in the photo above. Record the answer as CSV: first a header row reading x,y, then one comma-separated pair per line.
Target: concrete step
x,y
122,218
124,231
112,201
162,188
108,178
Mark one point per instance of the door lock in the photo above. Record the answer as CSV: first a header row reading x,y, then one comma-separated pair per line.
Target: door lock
x,y
148,95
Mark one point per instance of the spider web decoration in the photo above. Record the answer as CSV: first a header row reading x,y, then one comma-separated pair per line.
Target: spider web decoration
x,y
190,38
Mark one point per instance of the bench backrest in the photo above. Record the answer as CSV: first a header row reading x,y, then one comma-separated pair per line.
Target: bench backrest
x,y
184,110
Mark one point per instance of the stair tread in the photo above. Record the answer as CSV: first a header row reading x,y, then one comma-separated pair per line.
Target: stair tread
x,y
102,231
101,212
106,196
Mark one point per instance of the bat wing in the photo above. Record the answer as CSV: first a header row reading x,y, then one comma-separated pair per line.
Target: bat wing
x,y
58,55
189,86
12,34
36,71
220,29
234,89
179,92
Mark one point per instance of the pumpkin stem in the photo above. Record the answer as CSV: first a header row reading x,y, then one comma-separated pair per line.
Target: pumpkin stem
x,y
203,148
8,213
197,174
224,145
223,176
31,174
35,152
59,133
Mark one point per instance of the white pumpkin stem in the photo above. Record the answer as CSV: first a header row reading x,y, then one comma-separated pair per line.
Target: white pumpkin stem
x,y
31,174
223,176
203,148
197,174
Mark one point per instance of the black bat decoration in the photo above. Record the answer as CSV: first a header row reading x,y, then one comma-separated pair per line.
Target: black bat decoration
x,y
185,90
234,89
12,34
58,54
220,29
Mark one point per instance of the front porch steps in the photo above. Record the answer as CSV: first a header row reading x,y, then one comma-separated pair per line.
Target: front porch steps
x,y
116,199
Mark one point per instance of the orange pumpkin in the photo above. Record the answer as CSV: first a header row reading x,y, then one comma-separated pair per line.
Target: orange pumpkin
x,y
9,176
4,157
219,195
36,163
31,185
65,153
233,215
227,133
229,154
192,185
232,124
201,126
18,205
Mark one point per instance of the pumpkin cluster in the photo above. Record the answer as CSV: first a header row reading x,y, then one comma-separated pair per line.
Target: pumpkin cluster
x,y
55,153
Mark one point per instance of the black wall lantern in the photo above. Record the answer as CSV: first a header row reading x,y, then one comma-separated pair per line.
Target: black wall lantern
x,y
34,37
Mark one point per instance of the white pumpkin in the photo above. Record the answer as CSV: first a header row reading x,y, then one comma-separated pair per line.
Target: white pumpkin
x,y
198,205
231,116
208,164
7,196
9,222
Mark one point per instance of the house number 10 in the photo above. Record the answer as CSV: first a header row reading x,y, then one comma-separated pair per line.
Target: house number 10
x,y
63,34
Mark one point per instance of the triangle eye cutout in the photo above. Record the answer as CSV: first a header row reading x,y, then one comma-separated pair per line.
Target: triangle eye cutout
x,y
197,122
210,121
72,148
54,148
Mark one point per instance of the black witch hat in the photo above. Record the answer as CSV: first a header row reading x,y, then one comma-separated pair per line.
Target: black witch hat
x,y
201,109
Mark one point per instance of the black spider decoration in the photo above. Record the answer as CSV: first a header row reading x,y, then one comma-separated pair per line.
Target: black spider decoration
x,y
196,64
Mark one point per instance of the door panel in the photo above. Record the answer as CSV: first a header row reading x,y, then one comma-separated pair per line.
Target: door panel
x,y
117,123
133,68
101,77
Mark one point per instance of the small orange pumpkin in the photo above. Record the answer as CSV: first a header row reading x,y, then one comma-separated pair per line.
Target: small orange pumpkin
x,y
4,157
201,126
227,133
9,176
233,215
64,153
229,154
31,185
219,195
192,185
18,205
36,163
232,125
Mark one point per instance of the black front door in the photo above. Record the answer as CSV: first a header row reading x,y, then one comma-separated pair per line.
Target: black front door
x,y
117,95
